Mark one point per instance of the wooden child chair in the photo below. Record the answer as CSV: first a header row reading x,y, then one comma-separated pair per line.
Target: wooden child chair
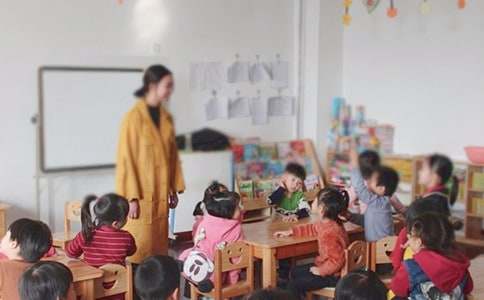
x,y
224,262
116,280
380,252
356,258
72,213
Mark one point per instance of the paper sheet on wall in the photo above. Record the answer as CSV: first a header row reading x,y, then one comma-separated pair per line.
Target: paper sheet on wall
x,y
216,108
258,111
280,74
259,72
238,72
239,107
281,106
206,76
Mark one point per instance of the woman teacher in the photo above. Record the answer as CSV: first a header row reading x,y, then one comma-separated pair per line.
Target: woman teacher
x,y
148,170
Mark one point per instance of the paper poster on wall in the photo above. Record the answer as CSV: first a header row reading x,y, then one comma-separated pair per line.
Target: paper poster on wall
x,y
259,110
239,107
281,106
259,72
238,72
216,108
206,76
280,74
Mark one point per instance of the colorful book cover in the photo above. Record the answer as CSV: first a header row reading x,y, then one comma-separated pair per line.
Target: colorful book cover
x,y
311,182
255,170
251,152
274,168
284,150
246,189
263,188
268,152
238,153
241,171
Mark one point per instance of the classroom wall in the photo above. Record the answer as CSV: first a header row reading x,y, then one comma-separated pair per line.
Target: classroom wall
x,y
136,34
424,74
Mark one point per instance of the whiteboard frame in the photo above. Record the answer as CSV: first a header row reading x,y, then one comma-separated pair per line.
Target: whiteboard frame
x,y
40,124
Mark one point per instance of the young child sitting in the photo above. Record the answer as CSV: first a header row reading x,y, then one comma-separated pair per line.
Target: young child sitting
x,y
361,285
432,267
378,221
102,241
199,211
46,280
157,278
332,241
289,197
220,225
24,244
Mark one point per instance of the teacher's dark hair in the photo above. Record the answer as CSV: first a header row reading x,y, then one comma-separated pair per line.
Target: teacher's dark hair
x,y
153,75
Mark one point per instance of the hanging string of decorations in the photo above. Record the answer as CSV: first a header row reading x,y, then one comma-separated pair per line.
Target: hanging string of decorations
x,y
392,11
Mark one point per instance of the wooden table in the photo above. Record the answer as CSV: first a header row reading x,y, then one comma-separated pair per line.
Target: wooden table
x,y
260,236
84,276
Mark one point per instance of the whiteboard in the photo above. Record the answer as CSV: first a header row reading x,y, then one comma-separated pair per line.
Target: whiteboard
x,y
81,110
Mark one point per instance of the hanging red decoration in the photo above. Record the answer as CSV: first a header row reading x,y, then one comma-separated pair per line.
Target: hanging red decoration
x,y
462,4
392,12
347,17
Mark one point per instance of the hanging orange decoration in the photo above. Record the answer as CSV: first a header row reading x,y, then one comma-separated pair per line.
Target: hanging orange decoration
x,y
462,4
392,12
347,17
120,2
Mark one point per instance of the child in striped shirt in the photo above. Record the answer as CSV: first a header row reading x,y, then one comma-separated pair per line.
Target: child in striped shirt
x,y
102,241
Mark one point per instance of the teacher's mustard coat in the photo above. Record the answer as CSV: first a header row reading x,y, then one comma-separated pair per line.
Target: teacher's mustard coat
x,y
148,168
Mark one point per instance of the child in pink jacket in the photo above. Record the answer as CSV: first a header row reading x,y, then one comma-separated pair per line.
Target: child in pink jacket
x,y
220,226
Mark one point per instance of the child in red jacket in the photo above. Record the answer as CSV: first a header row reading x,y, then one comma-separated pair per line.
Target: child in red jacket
x,y
431,268
332,242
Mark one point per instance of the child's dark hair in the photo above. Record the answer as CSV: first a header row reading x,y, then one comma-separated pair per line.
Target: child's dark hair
x,y
33,237
105,210
368,161
443,167
335,202
361,285
272,294
435,231
46,280
222,204
156,278
153,75
214,188
388,178
296,170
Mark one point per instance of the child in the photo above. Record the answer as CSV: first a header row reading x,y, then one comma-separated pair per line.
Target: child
x,y
378,221
46,280
157,278
271,294
199,210
102,241
361,285
289,197
220,225
368,161
332,241
24,244
432,268
435,173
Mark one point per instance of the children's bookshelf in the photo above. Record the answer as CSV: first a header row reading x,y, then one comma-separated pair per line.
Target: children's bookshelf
x,y
257,167
474,202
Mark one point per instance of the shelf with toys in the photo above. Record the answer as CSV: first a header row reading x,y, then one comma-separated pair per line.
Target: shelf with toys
x,y
474,202
258,166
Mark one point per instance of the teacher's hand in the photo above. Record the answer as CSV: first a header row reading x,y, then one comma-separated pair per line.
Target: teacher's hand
x,y
173,200
133,209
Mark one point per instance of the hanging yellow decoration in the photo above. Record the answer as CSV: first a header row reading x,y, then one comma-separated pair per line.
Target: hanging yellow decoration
x,y
425,7
462,4
347,17
392,12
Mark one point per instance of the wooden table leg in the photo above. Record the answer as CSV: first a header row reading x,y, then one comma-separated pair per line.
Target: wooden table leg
x,y
269,268
85,289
